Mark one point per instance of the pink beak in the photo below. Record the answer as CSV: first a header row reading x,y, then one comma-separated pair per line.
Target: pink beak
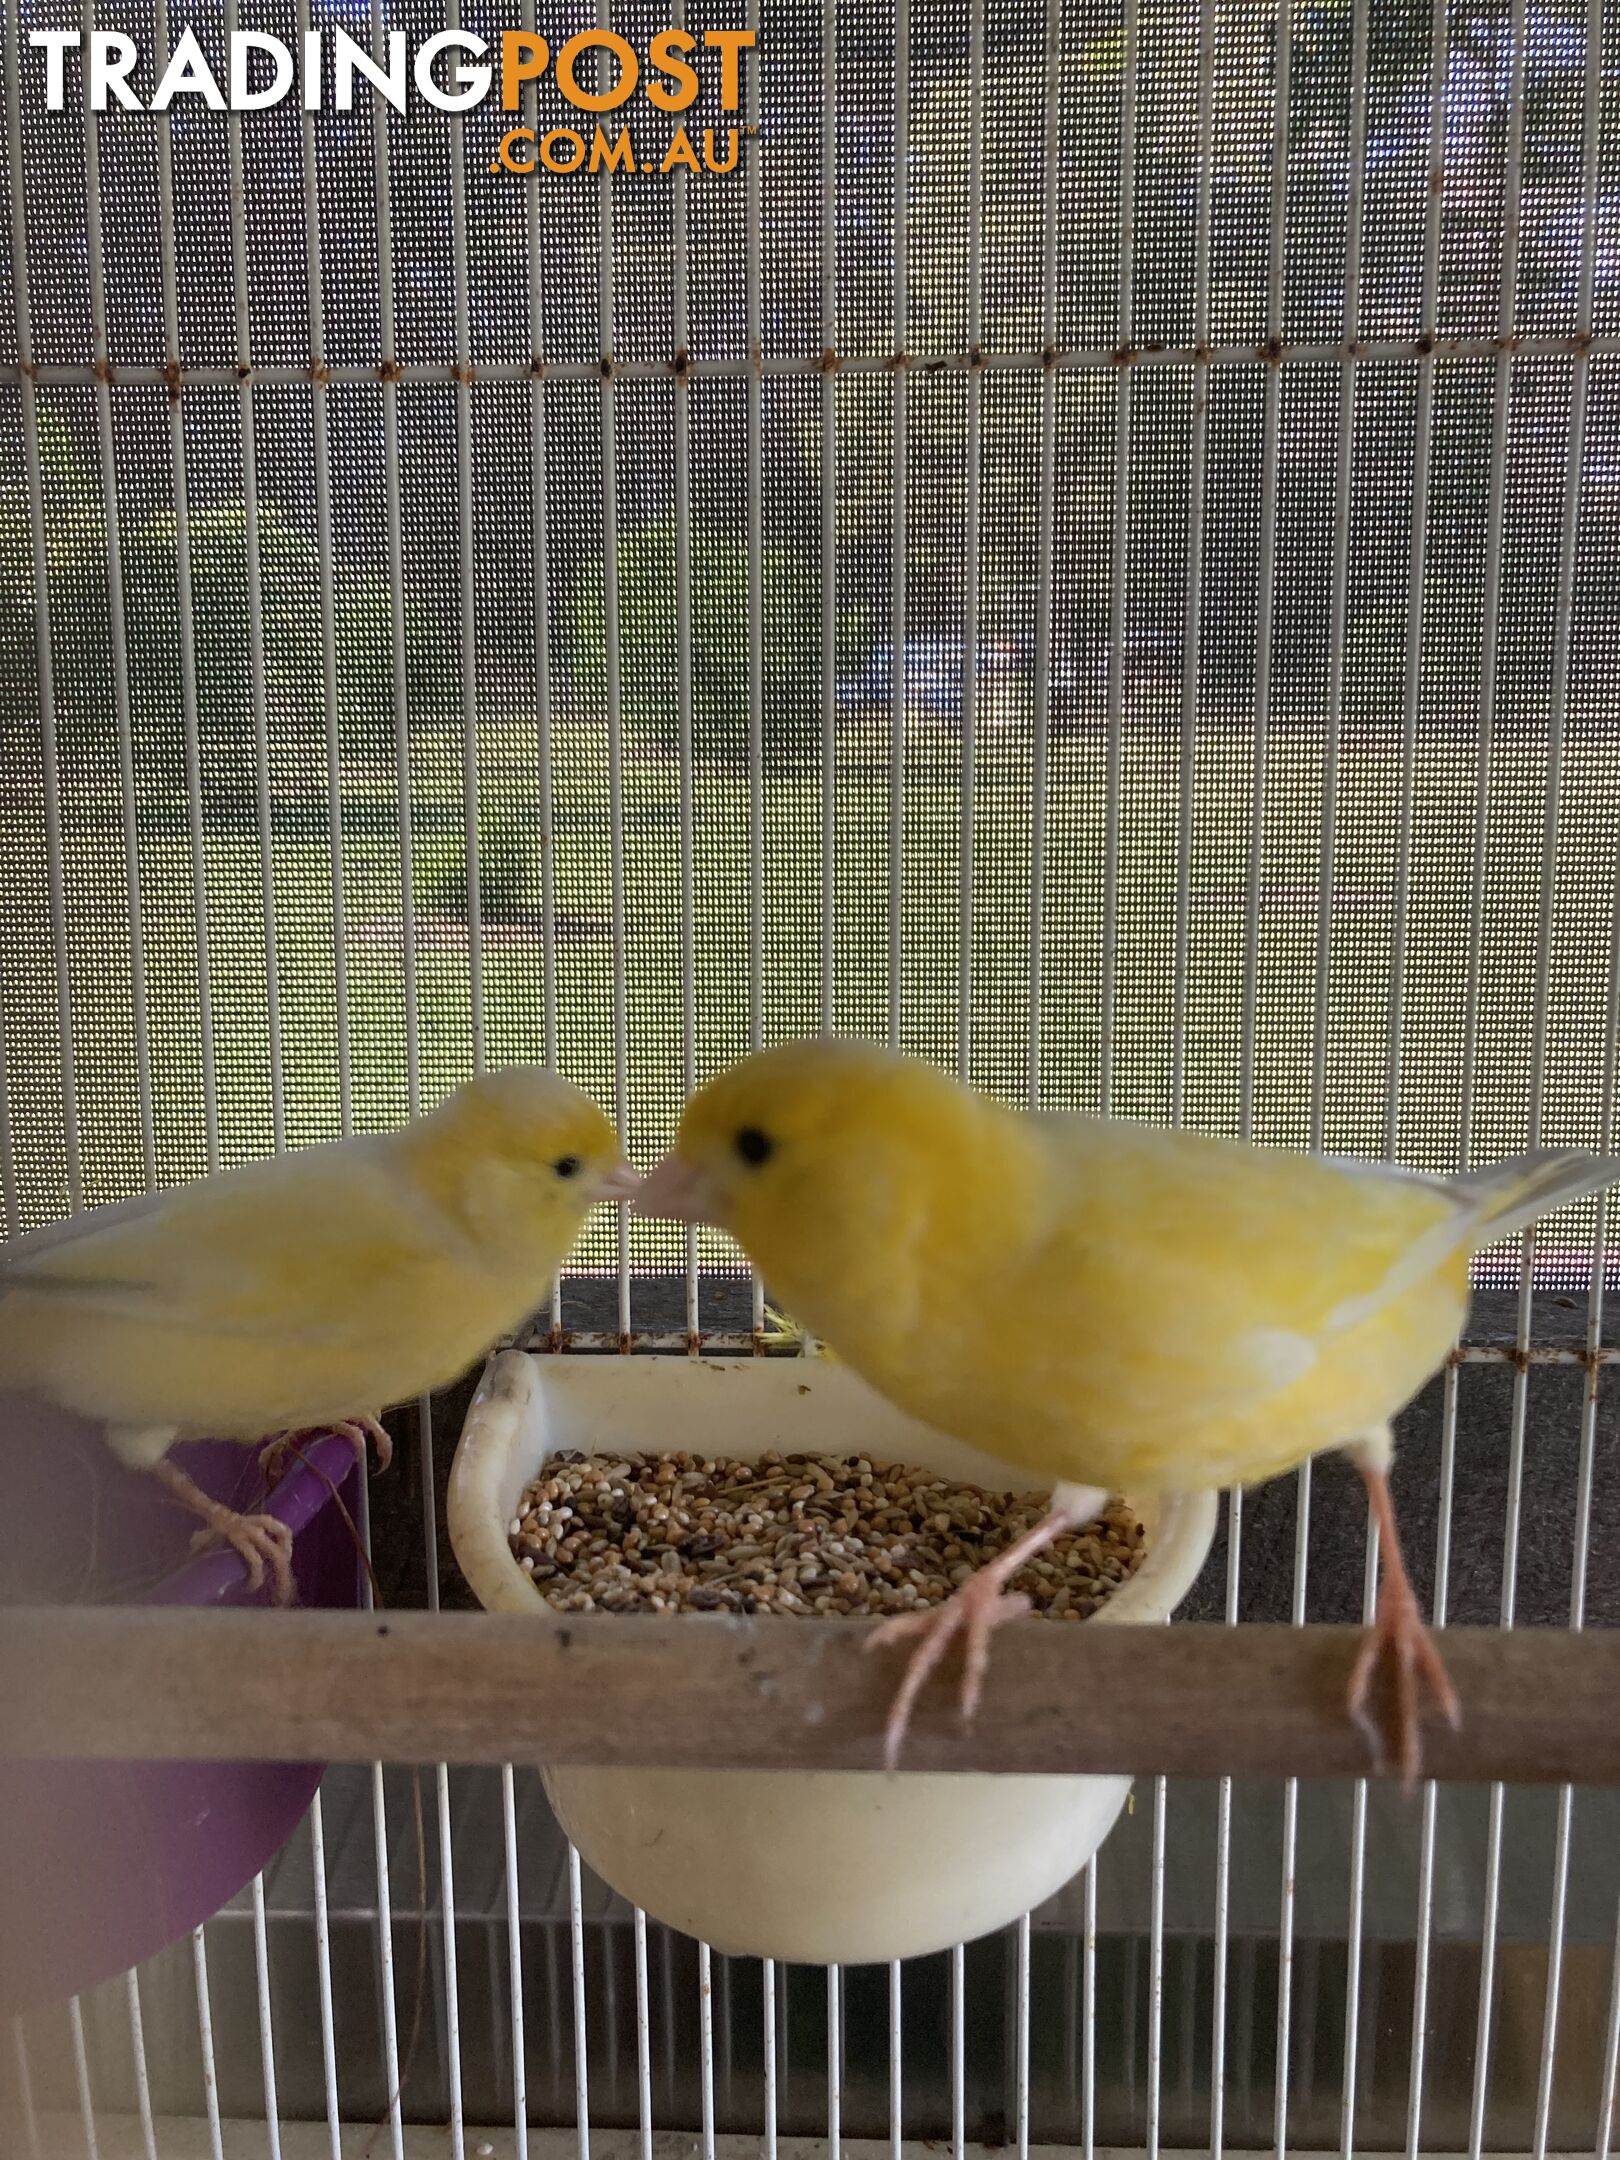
x,y
674,1192
622,1182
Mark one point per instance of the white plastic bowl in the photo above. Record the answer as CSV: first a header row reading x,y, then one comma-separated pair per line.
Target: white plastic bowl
x,y
817,1867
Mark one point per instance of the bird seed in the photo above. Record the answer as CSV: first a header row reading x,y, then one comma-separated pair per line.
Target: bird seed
x,y
822,1534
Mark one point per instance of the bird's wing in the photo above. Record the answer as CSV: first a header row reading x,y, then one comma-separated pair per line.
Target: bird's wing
x,y
280,1248
24,1251
1213,1275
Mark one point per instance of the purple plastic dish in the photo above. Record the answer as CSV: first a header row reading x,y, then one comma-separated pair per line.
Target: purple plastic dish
x,y
102,1864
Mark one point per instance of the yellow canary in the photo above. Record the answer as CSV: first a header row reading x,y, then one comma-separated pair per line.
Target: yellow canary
x,y
309,1291
1112,1306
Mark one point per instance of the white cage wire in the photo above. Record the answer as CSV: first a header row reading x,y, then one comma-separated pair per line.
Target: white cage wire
x,y
1088,554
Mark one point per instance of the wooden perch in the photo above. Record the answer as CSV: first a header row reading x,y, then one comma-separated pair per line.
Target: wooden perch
x,y
1539,1705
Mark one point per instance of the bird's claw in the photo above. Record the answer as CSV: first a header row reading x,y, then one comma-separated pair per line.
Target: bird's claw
x,y
361,1434
361,1431
261,1541
977,1609
273,1457
1398,1632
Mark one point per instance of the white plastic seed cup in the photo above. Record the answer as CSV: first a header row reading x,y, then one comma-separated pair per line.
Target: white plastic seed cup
x,y
821,1867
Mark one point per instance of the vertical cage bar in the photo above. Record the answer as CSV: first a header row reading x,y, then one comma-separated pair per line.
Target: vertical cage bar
x,y
767,1982
1540,1018
1416,578
137,2049
1088,2018
1290,1839
1473,976
1563,637
117,630
706,2047
897,2066
1560,1892
25,2088
753,258
1155,2031
1426,1834
900,522
1344,495
441,1786
1265,613
614,674
56,888
257,697
1339,599
752,301
1193,601
205,2039
323,1975
835,2062
958,2016
186,627
1473,980
467,565
1192,630
1223,1862
81,2079
829,513
514,1969
388,2004
968,721
1266,595
540,557
1021,2009
394,521
644,2111
1046,547
1119,564
267,2029
576,1950
681,328
1594,1326
1350,2074
1191,627
326,586
1495,534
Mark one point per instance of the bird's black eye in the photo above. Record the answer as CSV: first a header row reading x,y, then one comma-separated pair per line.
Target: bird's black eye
x,y
753,1145
566,1166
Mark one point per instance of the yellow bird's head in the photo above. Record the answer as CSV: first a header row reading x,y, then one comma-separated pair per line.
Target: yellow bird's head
x,y
830,1161
524,1155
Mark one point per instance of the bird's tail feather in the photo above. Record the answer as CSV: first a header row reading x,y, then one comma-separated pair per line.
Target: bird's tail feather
x,y
1506,1196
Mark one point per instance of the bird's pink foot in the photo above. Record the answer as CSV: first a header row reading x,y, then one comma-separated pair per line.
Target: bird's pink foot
x,y
262,1541
1398,1634
974,1612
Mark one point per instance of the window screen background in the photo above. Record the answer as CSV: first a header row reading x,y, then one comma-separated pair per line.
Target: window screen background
x,y
1063,858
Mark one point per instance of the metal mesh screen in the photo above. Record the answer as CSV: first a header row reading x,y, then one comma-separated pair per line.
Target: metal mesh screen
x,y
1089,554
1215,423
